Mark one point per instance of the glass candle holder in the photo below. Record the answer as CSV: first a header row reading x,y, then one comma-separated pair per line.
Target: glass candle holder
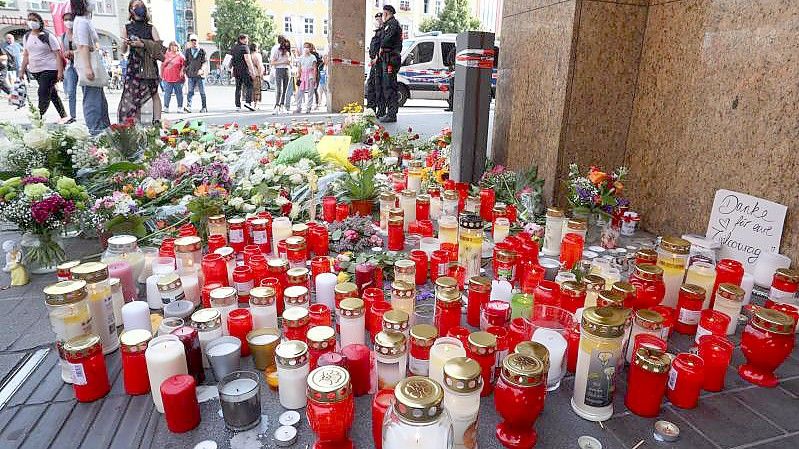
x,y
262,343
715,352
239,324
224,355
403,296
239,395
98,296
728,300
462,386
70,316
417,419
549,326
519,399
521,305
483,349
133,343
292,370
727,271
711,322
351,322
208,323
381,401
320,315
494,313
685,380
263,307
649,287
766,342
689,308
331,407
553,232
702,274
329,209
391,359
358,361
646,385
296,322
190,338
321,340
297,296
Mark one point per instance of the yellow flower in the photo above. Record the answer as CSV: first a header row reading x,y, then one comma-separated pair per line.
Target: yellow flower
x,y
343,276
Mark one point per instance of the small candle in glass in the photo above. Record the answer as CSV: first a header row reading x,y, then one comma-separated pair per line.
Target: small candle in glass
x,y
217,225
297,296
387,202
224,356
403,296
320,315
133,343
391,359
422,337
239,395
262,343
728,301
444,349
405,270
351,322
84,354
98,295
296,322
685,380
321,340
229,254
407,202
448,229
462,385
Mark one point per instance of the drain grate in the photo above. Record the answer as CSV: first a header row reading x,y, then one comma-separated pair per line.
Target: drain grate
x,y
18,376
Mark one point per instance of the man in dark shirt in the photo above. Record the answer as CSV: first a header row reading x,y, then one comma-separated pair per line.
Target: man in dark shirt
x,y
449,61
194,70
374,90
243,71
390,50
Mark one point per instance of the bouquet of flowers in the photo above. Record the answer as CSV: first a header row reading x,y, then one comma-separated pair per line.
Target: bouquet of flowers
x,y
118,213
597,191
522,190
355,233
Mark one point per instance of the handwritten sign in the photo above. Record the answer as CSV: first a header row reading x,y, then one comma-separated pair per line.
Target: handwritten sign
x,y
745,226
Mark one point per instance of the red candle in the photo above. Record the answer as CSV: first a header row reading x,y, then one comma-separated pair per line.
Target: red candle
x,y
649,341
689,308
519,330
371,295
547,293
259,269
422,338
239,324
243,281
573,348
685,380
727,271
479,291
505,264
380,403
452,249
571,250
494,313
531,275
364,277
181,409
260,235
458,272
767,340
572,296
788,309
85,354
331,407
649,287
320,315
281,250
320,264
190,338
422,207
530,250
461,333
342,211
321,240
784,285
425,227
715,351
439,261
487,200
329,208
206,292
296,322
215,242
483,349
646,385
249,251
321,340
419,257
296,251
712,322
187,230
214,269
519,399
357,360
132,345
379,308
396,234
331,358
448,311
235,234
503,345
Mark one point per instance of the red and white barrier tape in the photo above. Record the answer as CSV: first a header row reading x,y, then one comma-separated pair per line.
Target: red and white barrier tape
x,y
476,57
350,62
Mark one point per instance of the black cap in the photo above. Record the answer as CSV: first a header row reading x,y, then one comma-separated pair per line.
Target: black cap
x,y
390,9
470,221
378,16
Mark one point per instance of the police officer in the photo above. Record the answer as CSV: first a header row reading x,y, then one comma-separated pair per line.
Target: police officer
x,y
374,89
449,61
390,50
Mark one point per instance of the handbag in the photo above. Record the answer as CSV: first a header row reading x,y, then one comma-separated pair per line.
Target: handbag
x,y
19,94
100,74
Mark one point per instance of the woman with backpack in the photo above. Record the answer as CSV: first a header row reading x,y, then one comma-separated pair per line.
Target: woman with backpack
x,y
41,55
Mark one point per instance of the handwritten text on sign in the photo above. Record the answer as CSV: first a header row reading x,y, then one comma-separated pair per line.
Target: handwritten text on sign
x,y
745,226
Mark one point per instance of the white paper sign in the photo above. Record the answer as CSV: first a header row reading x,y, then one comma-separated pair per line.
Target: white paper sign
x,y
745,225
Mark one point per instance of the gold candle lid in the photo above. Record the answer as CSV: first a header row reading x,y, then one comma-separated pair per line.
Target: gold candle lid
x,y
731,292
554,212
648,319
351,307
82,345
624,288
223,293
188,244
787,275
296,316
296,295
423,198
263,296
321,337
408,194
534,349
605,322
396,320
395,212
424,335
68,266
296,243
610,298
652,360
693,290
390,343
444,283
419,399
329,384
405,266
65,292
480,284
90,272
217,219
675,245
298,229
346,289
450,195
403,289
122,243
523,370
463,375
236,220
648,272
206,319
277,265
416,164
647,254
572,289
291,354
170,281
772,321
135,340
298,275
387,196
482,343
594,282
576,224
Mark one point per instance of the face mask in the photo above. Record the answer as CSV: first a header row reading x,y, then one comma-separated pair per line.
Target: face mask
x,y
306,51
140,12
32,24
68,24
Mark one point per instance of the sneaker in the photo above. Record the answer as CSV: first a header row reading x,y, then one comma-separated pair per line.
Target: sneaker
x,y
165,111
249,106
187,109
238,108
71,120
204,110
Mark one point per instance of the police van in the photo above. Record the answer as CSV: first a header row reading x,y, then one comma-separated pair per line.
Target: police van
x,y
424,73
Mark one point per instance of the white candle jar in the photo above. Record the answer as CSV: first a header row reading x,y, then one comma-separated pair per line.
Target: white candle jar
x,y
417,419
208,323
387,202
462,384
217,225
391,358
125,247
229,254
70,316
444,349
281,230
161,266
351,322
396,320
415,169
407,202
645,321
101,303
189,254
170,288
292,373
297,296
673,259
729,301
553,232
403,296
117,299
702,274
405,270
263,307
449,203
448,229
224,299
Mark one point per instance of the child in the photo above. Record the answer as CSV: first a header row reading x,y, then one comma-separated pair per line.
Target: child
x,y
308,78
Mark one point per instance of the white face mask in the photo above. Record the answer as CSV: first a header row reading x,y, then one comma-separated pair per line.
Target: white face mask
x,y
306,51
68,24
32,24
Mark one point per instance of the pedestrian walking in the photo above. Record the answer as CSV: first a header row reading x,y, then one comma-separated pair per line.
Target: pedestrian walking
x,y
390,50
92,75
322,89
14,52
320,65
141,76
294,78
70,74
243,71
308,79
258,65
374,90
172,74
4,85
280,58
41,53
194,71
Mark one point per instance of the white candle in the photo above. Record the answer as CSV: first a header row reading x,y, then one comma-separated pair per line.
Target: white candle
x,y
352,330
222,349
747,284
428,245
160,267
444,349
325,289
118,300
165,358
556,344
263,316
136,315
435,208
407,202
263,339
501,290
281,230
501,229
191,287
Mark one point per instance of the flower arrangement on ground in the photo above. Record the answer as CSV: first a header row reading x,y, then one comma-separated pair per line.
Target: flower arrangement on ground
x,y
596,192
355,233
522,190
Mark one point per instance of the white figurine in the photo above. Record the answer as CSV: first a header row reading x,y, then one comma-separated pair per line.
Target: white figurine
x,y
13,254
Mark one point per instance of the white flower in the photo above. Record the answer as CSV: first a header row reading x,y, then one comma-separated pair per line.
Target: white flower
x,y
257,176
269,174
304,165
249,207
295,211
280,201
296,178
77,131
236,202
37,138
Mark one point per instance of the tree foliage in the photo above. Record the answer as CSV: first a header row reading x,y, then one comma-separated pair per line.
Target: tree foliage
x,y
234,17
455,17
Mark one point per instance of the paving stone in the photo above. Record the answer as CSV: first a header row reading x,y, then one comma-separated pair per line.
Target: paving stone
x,y
74,430
21,425
45,369
105,425
48,426
133,423
722,419
775,404
786,442
8,362
631,429
792,386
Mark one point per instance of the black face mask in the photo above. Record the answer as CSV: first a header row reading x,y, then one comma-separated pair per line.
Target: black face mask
x,y
139,13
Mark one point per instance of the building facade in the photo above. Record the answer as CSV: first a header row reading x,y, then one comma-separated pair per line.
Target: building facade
x,y
299,21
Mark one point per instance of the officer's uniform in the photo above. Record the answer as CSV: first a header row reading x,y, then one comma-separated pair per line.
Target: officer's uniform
x,y
374,88
392,48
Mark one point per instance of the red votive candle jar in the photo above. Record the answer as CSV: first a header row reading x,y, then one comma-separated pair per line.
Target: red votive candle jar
x,y
649,341
364,278
214,268
296,251
422,338
448,310
727,271
239,324
483,349
439,261
547,293
215,242
378,309
380,403
331,407
715,351
243,281
419,257
132,345
572,296
494,313
190,337
319,265
296,322
425,228
396,235
235,234
321,340
503,345
260,235
329,209
573,346
668,314
167,248
649,287
788,309
479,291
519,330
259,269
357,360
505,264
370,296
452,249
571,250
281,250
181,409
342,211
531,274
712,322
784,285
206,292
487,200
530,251
458,272
321,241
689,308
187,230
85,354
646,385
461,333
320,315
766,341
332,358
685,380
249,251
519,399
422,207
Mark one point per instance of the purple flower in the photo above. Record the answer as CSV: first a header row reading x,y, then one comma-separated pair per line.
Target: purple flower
x,y
162,167
43,210
34,180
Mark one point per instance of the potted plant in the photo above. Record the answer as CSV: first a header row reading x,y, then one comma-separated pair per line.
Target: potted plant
x,y
361,189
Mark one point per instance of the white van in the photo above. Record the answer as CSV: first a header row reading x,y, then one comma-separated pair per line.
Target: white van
x,y
423,72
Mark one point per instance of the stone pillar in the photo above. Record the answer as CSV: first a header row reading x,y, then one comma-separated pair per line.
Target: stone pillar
x,y
471,104
347,41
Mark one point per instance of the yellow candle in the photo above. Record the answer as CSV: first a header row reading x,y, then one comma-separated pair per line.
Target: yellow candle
x,y
702,274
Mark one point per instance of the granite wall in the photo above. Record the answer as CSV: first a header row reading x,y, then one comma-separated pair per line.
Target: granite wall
x,y
347,41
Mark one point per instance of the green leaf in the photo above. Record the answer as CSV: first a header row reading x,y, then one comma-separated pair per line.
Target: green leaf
x,y
123,166
336,235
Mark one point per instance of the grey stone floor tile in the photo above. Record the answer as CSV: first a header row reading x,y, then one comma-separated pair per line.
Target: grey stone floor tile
x,y
775,404
105,425
21,425
133,422
45,369
48,426
786,442
631,429
791,386
74,430
722,419
8,362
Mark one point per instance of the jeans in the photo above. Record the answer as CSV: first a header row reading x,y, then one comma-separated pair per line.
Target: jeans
x,y
281,85
47,92
244,82
71,88
199,82
173,87
95,109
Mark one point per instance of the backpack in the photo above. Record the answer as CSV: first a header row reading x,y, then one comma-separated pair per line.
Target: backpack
x,y
44,37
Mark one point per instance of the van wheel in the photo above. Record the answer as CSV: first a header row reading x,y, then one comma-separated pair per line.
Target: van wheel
x,y
402,94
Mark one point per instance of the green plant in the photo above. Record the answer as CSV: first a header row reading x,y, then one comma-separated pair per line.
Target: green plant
x,y
361,185
455,17
232,17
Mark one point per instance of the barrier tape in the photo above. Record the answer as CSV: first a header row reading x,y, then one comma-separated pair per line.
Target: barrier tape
x,y
349,62
476,57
